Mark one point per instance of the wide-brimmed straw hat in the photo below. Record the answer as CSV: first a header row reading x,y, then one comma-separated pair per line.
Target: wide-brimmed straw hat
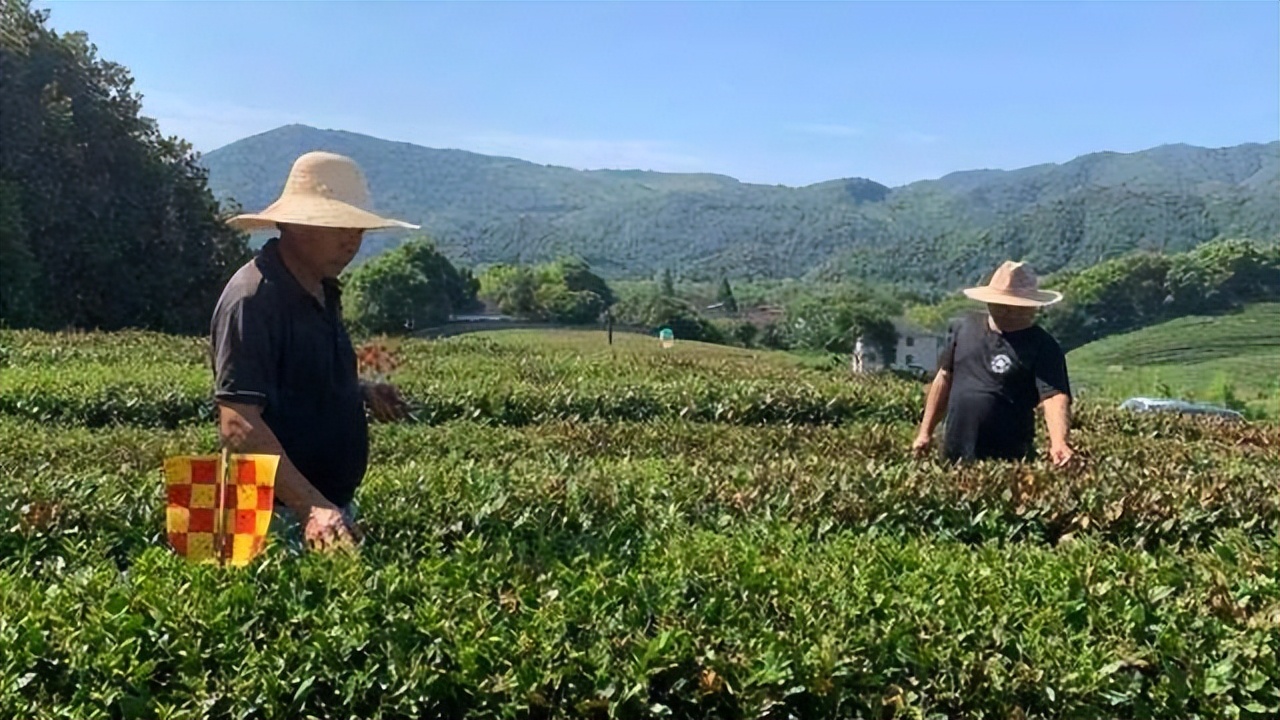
x,y
1013,283
325,190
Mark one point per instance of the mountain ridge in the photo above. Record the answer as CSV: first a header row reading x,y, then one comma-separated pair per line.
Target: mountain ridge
x,y
483,209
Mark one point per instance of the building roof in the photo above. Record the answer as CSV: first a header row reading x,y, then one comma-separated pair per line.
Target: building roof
x,y
905,327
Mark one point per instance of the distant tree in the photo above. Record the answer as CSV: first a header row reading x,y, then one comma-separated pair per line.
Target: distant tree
x,y
725,295
577,276
774,336
937,316
559,304
1144,288
655,310
668,283
514,288
833,323
410,287
1223,275
564,291
17,264
745,334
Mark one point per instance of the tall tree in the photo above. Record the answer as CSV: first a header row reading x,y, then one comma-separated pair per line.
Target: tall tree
x,y
725,295
103,222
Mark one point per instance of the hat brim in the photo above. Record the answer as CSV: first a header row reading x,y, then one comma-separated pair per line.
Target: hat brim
x,y
1029,298
316,212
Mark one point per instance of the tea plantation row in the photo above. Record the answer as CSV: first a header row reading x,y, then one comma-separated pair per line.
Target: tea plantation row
x,y
569,530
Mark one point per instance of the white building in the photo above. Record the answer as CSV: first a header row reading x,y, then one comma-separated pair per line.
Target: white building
x,y
918,349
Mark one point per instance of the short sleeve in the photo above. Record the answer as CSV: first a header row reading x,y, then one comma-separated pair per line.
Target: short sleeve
x,y
245,351
1051,369
947,360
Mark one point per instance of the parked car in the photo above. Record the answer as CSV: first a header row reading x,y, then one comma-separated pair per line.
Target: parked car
x,y
1142,404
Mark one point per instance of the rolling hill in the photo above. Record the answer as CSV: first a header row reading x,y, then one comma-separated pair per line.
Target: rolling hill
x,y
1189,358
938,234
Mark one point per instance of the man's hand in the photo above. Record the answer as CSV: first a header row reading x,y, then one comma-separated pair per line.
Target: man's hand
x,y
1061,454
935,407
921,445
328,529
385,401
1057,415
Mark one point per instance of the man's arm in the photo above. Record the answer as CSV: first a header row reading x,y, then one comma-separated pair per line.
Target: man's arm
x,y
935,404
935,408
1057,417
1054,385
243,430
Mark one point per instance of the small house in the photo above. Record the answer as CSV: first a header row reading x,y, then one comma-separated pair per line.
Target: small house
x,y
917,349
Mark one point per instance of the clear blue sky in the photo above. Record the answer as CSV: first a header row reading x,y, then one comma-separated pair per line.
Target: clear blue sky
x,y
780,92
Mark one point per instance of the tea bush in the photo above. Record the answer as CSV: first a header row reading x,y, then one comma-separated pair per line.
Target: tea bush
x,y
570,531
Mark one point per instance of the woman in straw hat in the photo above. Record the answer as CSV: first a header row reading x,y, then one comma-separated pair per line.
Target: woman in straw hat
x,y
285,377
996,370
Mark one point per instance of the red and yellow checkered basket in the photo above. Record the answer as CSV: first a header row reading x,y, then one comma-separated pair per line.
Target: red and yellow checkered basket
x,y
219,507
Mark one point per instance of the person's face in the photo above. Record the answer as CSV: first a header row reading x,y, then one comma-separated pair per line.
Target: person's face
x,y
329,250
1012,315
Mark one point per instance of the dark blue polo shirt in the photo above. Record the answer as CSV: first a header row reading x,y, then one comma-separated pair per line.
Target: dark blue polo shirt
x,y
275,345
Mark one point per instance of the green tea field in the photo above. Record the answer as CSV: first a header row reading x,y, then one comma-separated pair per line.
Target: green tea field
x,y
565,529
1195,358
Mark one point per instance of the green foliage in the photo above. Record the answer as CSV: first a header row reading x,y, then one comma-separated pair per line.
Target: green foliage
x,y
1223,276
834,322
1183,357
513,288
825,317
565,291
567,306
773,336
1145,288
938,316
509,383
1224,391
577,277
410,287
725,295
743,333
18,268
656,310
933,235
104,223
709,546
137,378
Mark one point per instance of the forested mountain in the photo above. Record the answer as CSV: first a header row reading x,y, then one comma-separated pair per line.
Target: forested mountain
x,y
939,233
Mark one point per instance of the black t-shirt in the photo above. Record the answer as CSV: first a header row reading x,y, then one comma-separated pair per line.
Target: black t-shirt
x,y
997,380
275,345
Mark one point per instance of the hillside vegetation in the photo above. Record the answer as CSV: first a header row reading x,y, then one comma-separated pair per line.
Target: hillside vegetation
x,y
940,233
1231,359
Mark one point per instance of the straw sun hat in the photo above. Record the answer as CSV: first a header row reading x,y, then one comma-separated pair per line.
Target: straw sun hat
x,y
324,190
1013,283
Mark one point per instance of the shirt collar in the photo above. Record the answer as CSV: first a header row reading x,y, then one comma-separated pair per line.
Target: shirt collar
x,y
272,266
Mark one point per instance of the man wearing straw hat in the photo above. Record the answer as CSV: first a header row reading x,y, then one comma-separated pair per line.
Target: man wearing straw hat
x,y
285,375
996,369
